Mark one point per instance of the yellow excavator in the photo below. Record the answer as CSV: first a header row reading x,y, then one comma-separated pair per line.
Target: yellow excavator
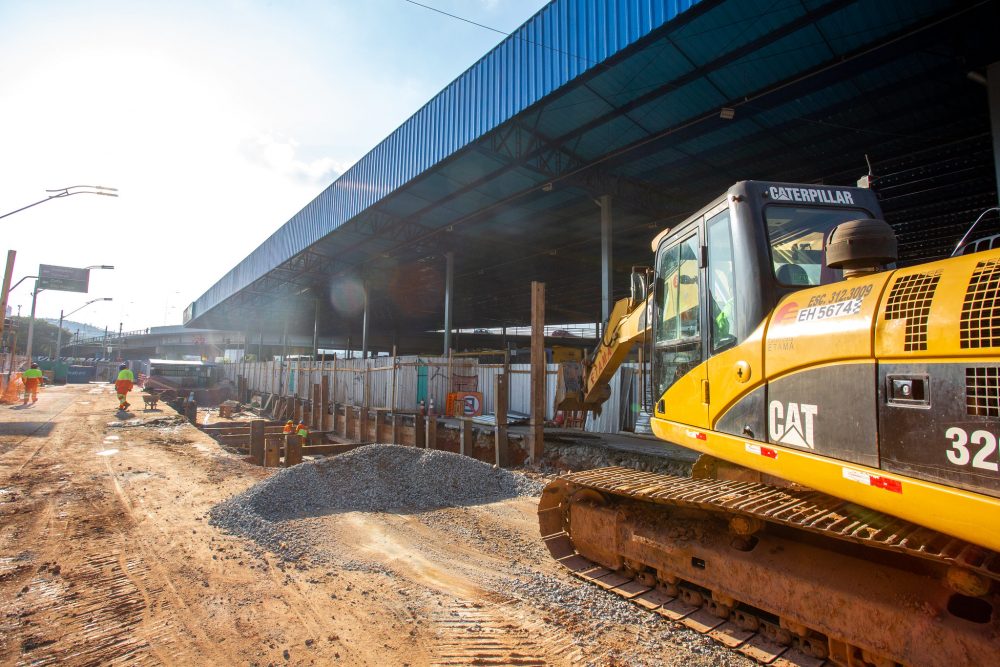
x,y
845,508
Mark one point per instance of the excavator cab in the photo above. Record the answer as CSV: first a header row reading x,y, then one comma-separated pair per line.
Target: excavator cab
x,y
721,272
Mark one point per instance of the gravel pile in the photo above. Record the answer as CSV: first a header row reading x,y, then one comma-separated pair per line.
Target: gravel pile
x,y
374,478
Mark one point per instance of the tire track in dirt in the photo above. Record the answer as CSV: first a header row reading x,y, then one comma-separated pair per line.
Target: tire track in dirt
x,y
471,634
153,584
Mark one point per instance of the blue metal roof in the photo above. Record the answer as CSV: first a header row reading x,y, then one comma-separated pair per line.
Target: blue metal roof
x,y
623,98
556,45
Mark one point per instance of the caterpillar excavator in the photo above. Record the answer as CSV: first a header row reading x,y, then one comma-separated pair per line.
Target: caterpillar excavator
x,y
845,508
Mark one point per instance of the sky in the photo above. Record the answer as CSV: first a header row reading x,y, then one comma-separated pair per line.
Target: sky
x,y
217,120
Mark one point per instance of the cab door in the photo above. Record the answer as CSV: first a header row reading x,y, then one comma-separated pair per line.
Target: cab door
x,y
736,388
678,346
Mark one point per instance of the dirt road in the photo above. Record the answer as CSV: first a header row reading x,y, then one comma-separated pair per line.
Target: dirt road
x,y
107,557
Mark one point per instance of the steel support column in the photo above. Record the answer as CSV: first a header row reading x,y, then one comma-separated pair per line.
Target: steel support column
x,y
449,297
364,322
993,83
315,350
606,266
537,393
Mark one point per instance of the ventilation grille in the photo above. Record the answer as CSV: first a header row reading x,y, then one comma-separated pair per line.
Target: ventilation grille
x,y
981,392
910,299
980,326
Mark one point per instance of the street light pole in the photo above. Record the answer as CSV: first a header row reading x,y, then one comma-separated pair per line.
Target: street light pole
x,y
59,193
59,333
31,321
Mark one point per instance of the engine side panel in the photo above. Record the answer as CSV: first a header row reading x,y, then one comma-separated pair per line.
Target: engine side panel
x,y
830,411
938,344
937,424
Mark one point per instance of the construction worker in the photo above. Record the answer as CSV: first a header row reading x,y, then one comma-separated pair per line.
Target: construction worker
x,y
123,385
289,427
302,431
32,379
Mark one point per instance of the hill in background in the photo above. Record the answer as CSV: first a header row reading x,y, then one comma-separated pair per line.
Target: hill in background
x,y
86,330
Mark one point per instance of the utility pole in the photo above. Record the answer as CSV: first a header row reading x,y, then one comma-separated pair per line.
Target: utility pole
x,y
11,254
31,321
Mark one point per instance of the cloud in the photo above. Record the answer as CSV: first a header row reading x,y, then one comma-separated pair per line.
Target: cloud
x,y
280,154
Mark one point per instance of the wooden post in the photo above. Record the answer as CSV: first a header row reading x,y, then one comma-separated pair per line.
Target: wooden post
x,y
419,432
191,411
465,443
272,453
537,439
395,428
257,440
392,392
293,450
450,387
501,454
348,421
366,396
432,431
324,403
333,390
363,424
315,414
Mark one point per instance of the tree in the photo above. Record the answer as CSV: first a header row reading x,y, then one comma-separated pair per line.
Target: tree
x,y
44,343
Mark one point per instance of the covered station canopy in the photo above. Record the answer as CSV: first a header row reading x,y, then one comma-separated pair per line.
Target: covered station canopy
x,y
660,105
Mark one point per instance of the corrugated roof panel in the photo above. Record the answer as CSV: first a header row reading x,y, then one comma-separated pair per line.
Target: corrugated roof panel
x,y
619,131
731,26
806,105
644,71
510,181
707,142
652,167
577,35
571,111
771,63
684,103
858,24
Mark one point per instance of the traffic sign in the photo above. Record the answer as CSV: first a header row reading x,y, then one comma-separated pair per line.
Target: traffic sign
x,y
63,278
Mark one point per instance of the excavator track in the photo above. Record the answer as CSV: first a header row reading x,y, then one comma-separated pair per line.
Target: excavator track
x,y
788,577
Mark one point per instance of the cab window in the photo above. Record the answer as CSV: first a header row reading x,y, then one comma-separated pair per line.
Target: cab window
x,y
677,334
798,237
721,282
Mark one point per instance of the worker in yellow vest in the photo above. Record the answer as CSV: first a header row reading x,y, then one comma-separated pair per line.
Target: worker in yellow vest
x,y
123,385
303,432
32,379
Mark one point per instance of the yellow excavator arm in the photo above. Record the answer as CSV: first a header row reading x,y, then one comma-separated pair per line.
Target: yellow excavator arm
x,y
585,386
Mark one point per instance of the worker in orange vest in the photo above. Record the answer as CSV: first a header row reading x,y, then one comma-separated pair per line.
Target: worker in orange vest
x,y
302,431
289,427
32,378
123,385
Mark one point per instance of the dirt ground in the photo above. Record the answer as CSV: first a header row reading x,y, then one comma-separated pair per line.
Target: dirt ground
x,y
107,557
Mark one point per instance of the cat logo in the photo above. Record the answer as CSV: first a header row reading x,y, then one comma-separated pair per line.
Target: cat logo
x,y
788,312
792,424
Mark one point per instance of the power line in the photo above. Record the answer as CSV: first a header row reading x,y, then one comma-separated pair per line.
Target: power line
x,y
460,18
513,35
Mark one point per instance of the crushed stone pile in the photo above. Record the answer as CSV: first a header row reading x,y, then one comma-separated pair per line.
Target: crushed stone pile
x,y
373,478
